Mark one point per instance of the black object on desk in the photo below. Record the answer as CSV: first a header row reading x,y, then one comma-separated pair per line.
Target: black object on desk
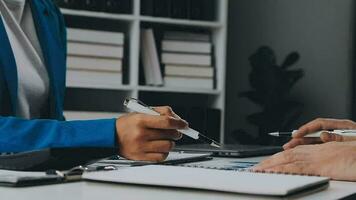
x,y
230,150
54,158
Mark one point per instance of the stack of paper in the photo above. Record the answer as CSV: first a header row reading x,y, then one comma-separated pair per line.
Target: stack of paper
x,y
94,57
188,60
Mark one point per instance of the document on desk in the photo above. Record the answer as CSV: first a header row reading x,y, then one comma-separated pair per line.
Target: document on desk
x,y
17,178
210,179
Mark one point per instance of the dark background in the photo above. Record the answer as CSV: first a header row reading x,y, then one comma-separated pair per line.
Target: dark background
x,y
320,30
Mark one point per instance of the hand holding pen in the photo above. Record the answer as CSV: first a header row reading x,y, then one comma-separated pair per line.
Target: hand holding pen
x,y
139,107
331,130
146,137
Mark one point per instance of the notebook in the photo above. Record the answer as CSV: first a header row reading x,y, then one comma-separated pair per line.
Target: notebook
x,y
242,182
172,159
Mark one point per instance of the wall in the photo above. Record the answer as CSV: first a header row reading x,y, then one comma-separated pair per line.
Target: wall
x,y
320,30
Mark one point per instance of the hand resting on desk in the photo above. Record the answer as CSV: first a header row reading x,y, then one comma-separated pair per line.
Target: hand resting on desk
x,y
330,155
147,137
336,160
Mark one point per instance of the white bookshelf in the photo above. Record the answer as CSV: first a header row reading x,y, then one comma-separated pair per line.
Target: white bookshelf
x,y
218,28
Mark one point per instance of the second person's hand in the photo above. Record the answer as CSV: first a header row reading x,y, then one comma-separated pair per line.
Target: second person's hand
x,y
319,125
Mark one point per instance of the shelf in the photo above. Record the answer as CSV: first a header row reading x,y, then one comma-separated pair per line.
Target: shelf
x,y
130,17
185,22
101,87
84,13
179,90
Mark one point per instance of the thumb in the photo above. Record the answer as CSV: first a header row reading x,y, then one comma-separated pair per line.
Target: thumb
x,y
329,137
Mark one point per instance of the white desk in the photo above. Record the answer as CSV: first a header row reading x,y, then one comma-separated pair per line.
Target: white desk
x,y
107,191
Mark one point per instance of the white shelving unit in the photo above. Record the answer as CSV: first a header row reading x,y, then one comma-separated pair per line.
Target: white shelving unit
x,y
218,29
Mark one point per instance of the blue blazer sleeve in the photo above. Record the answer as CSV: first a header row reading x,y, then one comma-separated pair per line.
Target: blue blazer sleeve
x,y
18,135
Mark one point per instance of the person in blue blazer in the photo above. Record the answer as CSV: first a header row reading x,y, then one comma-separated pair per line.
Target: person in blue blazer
x,y
136,136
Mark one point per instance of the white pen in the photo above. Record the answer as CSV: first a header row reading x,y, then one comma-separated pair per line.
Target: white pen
x,y
351,133
137,106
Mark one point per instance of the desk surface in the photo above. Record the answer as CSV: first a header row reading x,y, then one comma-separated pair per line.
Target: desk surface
x,y
108,191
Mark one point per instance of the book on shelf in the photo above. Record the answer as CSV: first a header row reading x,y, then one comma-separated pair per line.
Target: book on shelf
x,y
187,36
189,71
77,78
147,7
96,50
150,59
95,36
92,5
188,82
110,6
118,6
94,63
186,46
180,9
202,10
186,59
162,8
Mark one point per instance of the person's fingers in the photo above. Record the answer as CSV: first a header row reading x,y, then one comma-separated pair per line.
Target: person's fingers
x,y
159,146
329,137
323,124
155,134
281,158
167,111
301,141
155,157
161,122
298,167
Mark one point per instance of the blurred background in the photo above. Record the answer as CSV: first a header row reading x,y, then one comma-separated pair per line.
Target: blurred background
x,y
234,69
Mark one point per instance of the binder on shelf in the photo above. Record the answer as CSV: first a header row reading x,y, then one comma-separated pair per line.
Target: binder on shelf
x,y
202,10
180,9
162,8
92,5
150,60
147,7
118,6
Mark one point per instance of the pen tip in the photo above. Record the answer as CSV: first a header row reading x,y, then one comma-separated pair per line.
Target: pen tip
x,y
215,145
273,134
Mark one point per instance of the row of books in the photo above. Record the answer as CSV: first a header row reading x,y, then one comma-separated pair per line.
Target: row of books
x,y
183,9
186,57
111,6
94,58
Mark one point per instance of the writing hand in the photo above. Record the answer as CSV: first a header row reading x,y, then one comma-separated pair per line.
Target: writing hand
x,y
318,125
148,137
